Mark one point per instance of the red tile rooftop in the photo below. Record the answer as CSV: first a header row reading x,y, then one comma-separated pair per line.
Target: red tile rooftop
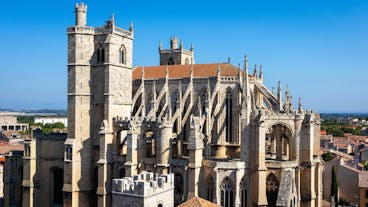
x,y
198,202
183,71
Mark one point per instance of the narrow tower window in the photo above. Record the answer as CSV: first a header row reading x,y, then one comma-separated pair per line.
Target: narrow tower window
x,y
102,55
122,55
229,116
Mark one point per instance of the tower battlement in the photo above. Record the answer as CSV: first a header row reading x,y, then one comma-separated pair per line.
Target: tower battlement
x,y
81,7
143,184
81,14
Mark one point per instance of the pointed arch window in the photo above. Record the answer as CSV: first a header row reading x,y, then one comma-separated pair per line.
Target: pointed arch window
x,y
122,55
227,194
100,53
243,192
210,189
272,189
229,115
171,61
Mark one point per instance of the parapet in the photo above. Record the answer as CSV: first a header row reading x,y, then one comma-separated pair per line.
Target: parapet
x,y
143,184
39,135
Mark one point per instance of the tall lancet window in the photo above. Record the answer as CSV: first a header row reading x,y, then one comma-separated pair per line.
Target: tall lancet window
x,y
122,55
243,192
210,189
100,53
227,195
229,116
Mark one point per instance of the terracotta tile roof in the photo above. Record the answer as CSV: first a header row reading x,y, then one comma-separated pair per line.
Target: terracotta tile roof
x,y
198,202
11,147
180,71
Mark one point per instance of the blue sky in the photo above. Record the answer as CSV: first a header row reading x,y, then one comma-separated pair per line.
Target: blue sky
x,y
319,48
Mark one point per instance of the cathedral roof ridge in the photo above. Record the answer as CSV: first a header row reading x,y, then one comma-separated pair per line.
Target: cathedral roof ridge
x,y
201,70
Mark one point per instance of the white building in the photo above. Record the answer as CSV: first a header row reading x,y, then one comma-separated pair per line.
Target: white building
x,y
51,120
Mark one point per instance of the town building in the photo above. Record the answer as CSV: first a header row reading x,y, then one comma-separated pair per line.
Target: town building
x,y
10,123
211,130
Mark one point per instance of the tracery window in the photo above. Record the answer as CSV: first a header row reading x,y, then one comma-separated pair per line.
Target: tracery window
x,y
228,116
227,195
243,192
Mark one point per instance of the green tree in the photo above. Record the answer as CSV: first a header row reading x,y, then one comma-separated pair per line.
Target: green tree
x,y
327,156
365,164
334,186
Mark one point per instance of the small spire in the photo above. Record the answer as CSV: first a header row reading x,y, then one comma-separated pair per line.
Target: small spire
x,y
279,91
191,47
228,60
273,90
113,19
238,73
300,106
260,72
191,72
179,86
181,44
246,64
154,86
160,46
287,94
208,89
255,71
279,96
142,73
167,72
131,27
218,70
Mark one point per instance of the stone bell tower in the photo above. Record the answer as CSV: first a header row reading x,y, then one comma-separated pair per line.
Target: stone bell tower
x,y
99,63
77,160
176,55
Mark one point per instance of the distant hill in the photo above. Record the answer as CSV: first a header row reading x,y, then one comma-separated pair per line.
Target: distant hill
x,y
58,112
344,115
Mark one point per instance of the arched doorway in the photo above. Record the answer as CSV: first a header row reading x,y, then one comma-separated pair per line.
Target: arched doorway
x,y
56,186
272,189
